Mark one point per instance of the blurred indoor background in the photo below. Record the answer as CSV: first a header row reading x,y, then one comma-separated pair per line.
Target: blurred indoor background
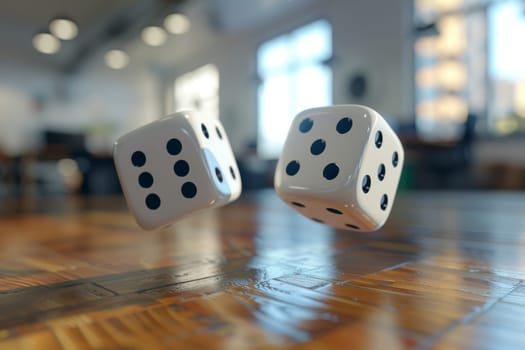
x,y
448,75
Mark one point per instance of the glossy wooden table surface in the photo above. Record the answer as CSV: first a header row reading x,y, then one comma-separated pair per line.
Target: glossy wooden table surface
x,y
446,272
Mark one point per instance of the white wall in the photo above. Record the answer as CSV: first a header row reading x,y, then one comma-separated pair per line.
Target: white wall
x,y
97,100
370,36
19,121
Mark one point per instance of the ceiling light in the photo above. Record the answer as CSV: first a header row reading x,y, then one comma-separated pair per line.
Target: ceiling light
x,y
154,36
116,59
177,23
63,28
46,43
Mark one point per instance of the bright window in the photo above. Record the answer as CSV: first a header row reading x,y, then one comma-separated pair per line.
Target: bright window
x,y
469,59
449,70
294,76
198,91
507,67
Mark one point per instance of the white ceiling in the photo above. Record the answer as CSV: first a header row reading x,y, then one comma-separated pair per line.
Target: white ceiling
x,y
21,19
36,14
239,14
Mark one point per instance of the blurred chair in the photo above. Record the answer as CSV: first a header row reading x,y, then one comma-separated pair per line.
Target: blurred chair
x,y
98,173
256,173
446,164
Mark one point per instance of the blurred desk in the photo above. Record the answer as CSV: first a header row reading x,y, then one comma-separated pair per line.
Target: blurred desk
x,y
447,271
54,172
439,164
61,165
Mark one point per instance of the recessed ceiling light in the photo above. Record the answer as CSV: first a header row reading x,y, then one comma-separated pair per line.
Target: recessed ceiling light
x,y
116,59
46,43
63,28
177,23
154,36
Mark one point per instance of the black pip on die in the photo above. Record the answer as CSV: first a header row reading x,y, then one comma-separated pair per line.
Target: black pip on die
x,y
341,166
174,166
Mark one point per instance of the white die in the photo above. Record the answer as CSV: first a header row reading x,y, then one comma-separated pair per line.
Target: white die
x,y
174,166
341,165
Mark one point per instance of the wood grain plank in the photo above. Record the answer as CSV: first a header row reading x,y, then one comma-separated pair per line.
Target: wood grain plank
x,y
445,272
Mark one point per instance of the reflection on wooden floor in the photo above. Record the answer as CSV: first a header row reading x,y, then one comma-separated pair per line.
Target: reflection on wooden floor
x,y
447,271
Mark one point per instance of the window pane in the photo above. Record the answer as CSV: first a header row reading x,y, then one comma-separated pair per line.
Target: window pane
x,y
273,55
507,35
507,67
313,42
275,114
294,78
313,87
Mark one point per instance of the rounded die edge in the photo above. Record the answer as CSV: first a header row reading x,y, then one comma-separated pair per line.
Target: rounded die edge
x,y
237,190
